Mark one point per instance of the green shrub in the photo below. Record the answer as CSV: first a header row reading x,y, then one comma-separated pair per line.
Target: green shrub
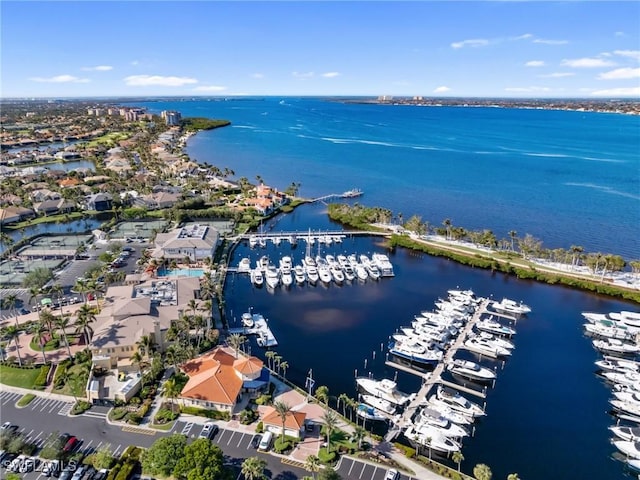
x,y
118,413
279,446
41,379
259,427
165,416
325,456
248,416
81,406
263,399
26,399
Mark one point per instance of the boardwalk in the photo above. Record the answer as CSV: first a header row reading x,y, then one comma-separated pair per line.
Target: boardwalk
x,y
435,377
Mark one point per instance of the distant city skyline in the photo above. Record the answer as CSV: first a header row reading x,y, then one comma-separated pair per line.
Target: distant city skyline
x,y
213,48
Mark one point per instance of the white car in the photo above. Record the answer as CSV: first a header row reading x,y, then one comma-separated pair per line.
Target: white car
x,y
392,474
16,462
51,467
28,465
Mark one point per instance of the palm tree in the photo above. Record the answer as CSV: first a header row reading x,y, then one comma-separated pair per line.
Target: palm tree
x,y
85,317
171,391
47,318
457,458
447,225
284,365
352,403
41,335
482,472
12,333
146,345
10,302
81,287
235,341
358,435
282,409
322,394
62,323
330,420
312,464
344,399
269,355
512,235
276,361
253,468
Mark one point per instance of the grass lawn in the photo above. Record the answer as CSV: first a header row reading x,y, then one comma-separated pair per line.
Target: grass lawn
x,y
78,376
18,377
26,399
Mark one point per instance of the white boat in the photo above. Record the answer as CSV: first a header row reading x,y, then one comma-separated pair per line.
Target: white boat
x,y
353,260
464,295
433,419
293,239
627,396
349,273
298,273
482,346
276,240
383,263
501,342
456,400
630,449
312,274
511,307
309,261
369,413
361,272
633,464
271,276
595,317
632,408
609,330
630,318
245,265
336,274
343,261
630,434
432,439
616,364
331,260
472,370
372,271
286,268
324,273
262,263
493,326
615,346
253,241
257,278
450,414
385,389
247,320
623,378
379,403
415,353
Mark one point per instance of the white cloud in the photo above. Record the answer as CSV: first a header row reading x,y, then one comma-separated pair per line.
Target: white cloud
x,y
209,88
257,75
550,42
620,74
619,34
534,63
628,53
135,62
331,74
618,92
303,74
525,36
158,80
586,63
98,68
442,89
476,42
60,79
557,75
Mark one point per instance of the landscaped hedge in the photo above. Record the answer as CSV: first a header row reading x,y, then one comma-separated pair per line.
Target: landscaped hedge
x,y
80,406
126,464
26,399
41,379
203,412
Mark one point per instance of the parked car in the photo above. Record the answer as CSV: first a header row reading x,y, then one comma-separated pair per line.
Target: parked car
x,y
51,467
67,472
101,474
255,441
14,466
392,474
8,427
29,464
78,473
70,445
209,430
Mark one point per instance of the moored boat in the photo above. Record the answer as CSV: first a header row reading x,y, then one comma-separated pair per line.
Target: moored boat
x,y
370,413
385,389
472,370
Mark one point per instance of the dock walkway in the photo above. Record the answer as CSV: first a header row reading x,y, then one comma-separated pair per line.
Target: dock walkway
x,y
266,338
432,378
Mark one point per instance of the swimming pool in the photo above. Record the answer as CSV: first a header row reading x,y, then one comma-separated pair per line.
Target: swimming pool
x,y
182,272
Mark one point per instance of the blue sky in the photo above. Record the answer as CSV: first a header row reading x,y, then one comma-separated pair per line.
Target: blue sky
x,y
484,49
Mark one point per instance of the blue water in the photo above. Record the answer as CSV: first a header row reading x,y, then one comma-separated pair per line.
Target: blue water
x,y
547,415
567,178
189,272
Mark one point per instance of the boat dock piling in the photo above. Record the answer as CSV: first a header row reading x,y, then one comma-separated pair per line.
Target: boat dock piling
x,y
434,377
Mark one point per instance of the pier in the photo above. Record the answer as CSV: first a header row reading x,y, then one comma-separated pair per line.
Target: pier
x,y
435,377
266,338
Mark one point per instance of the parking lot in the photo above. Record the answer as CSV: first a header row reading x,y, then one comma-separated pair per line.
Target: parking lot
x,y
354,469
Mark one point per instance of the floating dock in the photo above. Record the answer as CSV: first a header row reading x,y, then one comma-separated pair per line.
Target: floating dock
x,y
261,329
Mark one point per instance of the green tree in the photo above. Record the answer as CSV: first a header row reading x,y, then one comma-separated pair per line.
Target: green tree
x,y
62,323
283,410
41,334
457,458
330,420
12,333
482,472
322,394
329,474
85,317
103,457
312,464
235,341
358,435
171,391
162,457
253,468
201,460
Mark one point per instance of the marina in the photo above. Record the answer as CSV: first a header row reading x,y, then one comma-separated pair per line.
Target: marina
x,y
256,324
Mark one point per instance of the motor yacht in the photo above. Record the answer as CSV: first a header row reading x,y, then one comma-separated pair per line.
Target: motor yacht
x,y
432,439
450,414
510,307
336,274
415,352
257,278
615,346
385,389
631,408
271,276
286,275
247,320
486,347
472,370
245,265
383,263
370,413
610,330
500,341
615,364
361,272
630,434
312,274
263,262
379,403
492,326
630,449
627,396
343,261
349,273
431,418
629,377
298,273
456,401
372,271
253,241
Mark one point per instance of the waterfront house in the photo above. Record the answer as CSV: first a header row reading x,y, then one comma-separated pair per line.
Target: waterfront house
x,y
43,194
219,380
99,202
52,207
267,199
13,214
194,241
159,200
293,425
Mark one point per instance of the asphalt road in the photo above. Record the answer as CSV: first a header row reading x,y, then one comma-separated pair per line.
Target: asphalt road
x,y
45,416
